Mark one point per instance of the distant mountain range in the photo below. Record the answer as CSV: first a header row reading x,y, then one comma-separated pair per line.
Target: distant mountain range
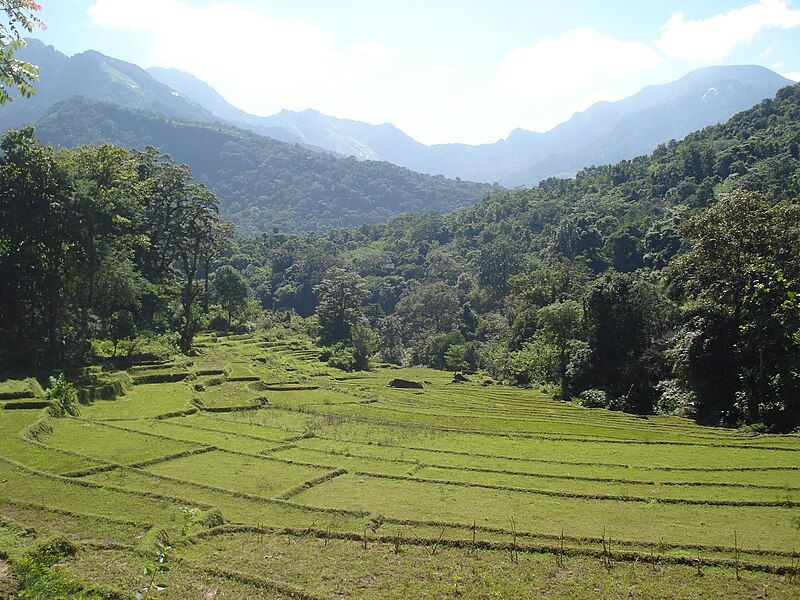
x,y
306,171
263,183
604,133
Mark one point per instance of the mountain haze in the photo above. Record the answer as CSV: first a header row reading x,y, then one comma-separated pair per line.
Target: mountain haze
x,y
263,183
98,77
602,134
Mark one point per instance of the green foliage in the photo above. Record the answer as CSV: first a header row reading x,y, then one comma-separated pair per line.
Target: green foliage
x,y
153,572
620,279
264,184
231,291
115,241
39,575
364,342
19,15
64,394
341,295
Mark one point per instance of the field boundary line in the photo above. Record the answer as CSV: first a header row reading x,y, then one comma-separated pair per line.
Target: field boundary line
x,y
248,496
726,484
465,527
70,513
254,581
585,496
625,555
169,457
557,462
211,429
522,435
310,483
94,485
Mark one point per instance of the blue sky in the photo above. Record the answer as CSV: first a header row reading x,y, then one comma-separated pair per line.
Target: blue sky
x,y
443,71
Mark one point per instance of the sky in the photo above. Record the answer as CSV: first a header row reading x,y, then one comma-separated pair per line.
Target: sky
x,y
443,71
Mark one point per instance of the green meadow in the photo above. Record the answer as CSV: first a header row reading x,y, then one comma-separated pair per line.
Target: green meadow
x,y
266,473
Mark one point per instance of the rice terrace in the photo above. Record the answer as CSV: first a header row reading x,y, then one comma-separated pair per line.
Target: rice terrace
x,y
254,470
399,300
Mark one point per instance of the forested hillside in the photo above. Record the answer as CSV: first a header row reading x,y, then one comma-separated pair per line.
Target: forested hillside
x,y
262,183
667,283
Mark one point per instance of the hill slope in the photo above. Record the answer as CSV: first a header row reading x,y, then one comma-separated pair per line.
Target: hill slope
x,y
98,77
263,183
604,133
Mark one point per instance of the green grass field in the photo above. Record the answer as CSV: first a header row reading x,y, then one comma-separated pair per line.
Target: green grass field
x,y
269,474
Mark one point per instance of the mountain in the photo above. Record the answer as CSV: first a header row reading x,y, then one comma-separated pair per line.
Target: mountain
x,y
309,127
202,93
98,77
611,131
263,183
604,133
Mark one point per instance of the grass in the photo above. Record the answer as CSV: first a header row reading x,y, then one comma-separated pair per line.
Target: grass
x,y
110,444
143,401
249,474
462,490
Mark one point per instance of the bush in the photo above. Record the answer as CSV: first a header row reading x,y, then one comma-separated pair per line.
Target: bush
x,y
364,343
64,395
342,358
212,518
594,399
675,399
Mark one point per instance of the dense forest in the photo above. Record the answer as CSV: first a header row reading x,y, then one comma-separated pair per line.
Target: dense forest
x,y
99,243
263,183
667,283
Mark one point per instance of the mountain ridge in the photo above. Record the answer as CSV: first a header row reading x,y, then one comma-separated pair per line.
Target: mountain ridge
x,y
602,134
263,183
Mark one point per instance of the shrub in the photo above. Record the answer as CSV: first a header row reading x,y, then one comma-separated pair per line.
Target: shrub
x,y
212,518
594,399
364,342
675,399
342,358
64,395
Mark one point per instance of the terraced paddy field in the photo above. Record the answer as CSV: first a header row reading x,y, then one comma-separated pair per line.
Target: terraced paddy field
x,y
268,474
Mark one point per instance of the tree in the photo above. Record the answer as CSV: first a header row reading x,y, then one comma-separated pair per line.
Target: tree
x,y
219,241
199,218
390,340
230,290
744,267
364,342
37,243
341,297
107,213
16,74
625,318
498,261
428,309
559,324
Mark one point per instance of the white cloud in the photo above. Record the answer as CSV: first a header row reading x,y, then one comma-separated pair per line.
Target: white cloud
x,y
577,61
542,84
264,64
267,65
716,37
793,75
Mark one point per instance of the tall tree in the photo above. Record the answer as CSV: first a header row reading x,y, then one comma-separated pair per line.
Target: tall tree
x,y
744,266
341,298
37,240
199,209
230,290
559,324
